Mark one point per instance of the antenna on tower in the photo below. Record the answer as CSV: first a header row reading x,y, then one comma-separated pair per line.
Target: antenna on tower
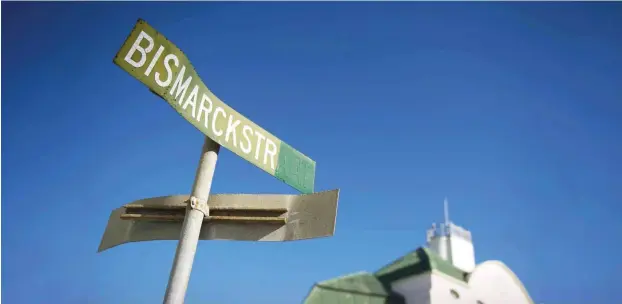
x,y
446,209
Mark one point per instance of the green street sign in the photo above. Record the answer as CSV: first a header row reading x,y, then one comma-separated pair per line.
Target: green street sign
x,y
151,58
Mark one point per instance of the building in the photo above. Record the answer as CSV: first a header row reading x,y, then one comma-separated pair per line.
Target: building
x,y
441,273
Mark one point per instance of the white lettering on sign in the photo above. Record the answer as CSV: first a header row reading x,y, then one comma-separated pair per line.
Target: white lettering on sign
x,y
143,51
245,132
270,150
223,125
231,130
181,87
260,137
192,100
169,73
154,60
204,110
218,110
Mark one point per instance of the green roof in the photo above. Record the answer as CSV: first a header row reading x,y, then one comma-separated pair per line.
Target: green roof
x,y
359,287
417,262
375,288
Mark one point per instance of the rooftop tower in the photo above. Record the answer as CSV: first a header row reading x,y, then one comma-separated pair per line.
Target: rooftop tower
x,y
452,242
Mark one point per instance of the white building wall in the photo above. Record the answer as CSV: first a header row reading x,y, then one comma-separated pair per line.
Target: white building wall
x,y
462,253
442,287
415,289
495,283
439,244
490,283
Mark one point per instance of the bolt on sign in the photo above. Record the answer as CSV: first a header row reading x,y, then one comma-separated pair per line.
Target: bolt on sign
x,y
156,62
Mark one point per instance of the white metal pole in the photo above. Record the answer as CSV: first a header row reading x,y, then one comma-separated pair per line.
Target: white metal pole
x,y
196,210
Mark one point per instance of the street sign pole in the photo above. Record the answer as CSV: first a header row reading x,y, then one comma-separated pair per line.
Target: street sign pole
x,y
196,210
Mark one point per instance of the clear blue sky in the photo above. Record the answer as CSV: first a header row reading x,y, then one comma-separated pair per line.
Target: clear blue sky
x,y
511,110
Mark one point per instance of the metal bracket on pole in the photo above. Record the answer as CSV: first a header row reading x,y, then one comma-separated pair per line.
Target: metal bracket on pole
x,y
199,204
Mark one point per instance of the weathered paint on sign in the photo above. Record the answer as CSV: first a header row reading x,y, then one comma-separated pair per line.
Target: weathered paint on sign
x,y
308,216
165,70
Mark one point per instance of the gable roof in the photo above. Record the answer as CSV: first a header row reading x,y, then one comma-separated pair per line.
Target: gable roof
x,y
363,287
417,262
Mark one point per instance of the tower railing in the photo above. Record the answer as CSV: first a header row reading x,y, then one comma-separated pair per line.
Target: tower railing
x,y
447,230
